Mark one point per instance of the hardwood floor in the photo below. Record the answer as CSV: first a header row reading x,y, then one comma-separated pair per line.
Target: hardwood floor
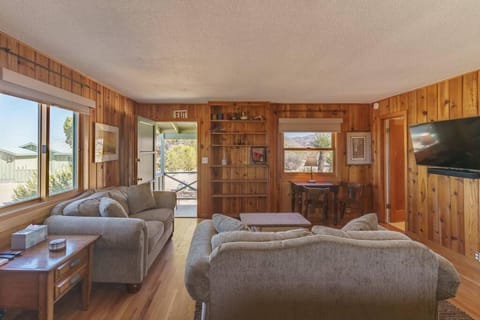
x,y
163,295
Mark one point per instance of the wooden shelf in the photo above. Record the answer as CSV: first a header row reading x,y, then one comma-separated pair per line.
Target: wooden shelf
x,y
239,121
239,166
241,185
240,180
254,195
238,145
238,132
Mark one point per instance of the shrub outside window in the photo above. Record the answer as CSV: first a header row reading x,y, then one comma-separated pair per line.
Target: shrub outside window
x,y
21,172
300,146
62,161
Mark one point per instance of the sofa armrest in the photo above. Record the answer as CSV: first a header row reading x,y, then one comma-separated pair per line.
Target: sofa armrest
x,y
165,199
198,261
448,279
125,233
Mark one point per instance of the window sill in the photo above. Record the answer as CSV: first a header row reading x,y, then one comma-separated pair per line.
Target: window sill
x,y
34,205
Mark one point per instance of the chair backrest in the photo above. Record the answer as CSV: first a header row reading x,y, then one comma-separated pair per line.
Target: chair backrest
x,y
316,194
351,191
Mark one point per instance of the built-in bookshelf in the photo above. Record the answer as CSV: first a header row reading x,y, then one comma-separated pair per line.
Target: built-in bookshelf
x,y
239,167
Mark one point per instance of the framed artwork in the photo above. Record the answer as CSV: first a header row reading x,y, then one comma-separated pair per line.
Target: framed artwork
x,y
106,142
258,155
359,148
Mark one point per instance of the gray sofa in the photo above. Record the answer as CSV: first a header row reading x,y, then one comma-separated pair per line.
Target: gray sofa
x,y
328,274
134,225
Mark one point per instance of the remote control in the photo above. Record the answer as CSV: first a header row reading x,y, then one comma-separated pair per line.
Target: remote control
x,y
14,252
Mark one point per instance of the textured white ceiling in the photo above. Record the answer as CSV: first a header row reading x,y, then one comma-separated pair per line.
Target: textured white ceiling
x,y
270,50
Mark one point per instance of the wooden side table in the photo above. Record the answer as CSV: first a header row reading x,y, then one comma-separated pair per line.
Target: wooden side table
x,y
39,278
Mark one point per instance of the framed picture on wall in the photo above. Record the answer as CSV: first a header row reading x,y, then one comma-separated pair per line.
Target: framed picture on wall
x,y
359,148
258,155
106,142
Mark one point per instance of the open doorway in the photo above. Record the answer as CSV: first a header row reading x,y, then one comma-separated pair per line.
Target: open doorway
x,y
395,171
176,164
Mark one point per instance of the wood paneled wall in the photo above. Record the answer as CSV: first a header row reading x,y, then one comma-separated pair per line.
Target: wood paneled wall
x,y
442,211
356,117
199,113
112,108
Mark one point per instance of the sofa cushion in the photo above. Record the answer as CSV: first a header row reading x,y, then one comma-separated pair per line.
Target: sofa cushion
x,y
363,223
157,214
360,235
448,279
247,236
223,223
109,207
88,206
140,197
58,208
121,197
155,231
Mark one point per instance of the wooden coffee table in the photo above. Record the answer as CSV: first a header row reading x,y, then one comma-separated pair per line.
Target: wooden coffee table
x,y
39,278
274,220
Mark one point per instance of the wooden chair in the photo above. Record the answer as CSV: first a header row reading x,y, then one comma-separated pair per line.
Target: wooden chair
x,y
298,201
350,197
316,198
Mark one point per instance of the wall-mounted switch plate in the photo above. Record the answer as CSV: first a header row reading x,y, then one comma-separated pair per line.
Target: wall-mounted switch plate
x,y
204,160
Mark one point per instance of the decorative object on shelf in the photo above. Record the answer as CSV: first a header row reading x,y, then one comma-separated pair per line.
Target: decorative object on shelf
x,y
234,116
359,145
243,116
106,142
258,155
311,162
259,118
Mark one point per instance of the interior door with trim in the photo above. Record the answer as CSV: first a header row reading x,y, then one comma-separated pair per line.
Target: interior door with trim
x,y
395,173
146,132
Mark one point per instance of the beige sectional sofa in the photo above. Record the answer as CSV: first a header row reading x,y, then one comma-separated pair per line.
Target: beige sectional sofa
x,y
325,274
134,224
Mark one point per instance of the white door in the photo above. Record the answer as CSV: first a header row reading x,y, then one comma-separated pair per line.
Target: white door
x,y
146,151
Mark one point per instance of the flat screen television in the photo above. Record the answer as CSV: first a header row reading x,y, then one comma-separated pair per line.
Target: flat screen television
x,y
452,144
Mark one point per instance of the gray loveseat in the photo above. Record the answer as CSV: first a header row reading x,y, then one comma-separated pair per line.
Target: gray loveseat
x,y
328,274
134,225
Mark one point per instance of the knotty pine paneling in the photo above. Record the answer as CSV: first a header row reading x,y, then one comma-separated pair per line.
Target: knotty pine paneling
x,y
199,113
356,117
442,211
112,108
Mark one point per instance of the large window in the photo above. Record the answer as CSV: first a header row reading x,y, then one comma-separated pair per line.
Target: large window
x,y
22,144
62,143
305,151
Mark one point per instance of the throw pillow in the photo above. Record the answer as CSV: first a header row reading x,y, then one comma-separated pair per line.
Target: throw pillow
x,y
121,197
223,223
327,231
377,235
360,235
363,223
88,206
111,208
246,236
140,198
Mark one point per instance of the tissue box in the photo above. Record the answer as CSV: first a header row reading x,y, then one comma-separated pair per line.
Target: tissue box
x,y
28,237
